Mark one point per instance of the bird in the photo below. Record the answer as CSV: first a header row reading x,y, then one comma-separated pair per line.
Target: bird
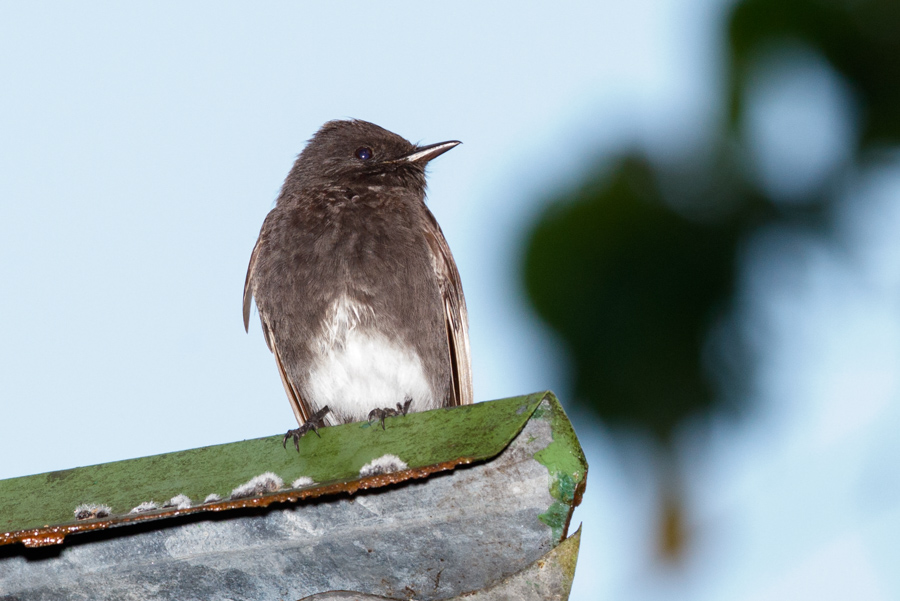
x,y
358,294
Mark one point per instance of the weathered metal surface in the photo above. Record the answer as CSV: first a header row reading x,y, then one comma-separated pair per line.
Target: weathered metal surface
x,y
435,538
547,579
38,510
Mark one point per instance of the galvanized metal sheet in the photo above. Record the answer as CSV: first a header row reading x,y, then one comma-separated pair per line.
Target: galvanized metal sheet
x,y
546,579
38,510
436,538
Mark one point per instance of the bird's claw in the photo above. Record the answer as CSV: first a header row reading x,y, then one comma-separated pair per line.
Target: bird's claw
x,y
313,423
382,414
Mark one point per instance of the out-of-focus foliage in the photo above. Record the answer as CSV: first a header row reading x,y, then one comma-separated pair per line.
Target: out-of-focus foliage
x,y
859,38
634,280
632,287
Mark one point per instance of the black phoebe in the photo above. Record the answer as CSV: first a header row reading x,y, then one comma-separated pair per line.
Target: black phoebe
x,y
358,294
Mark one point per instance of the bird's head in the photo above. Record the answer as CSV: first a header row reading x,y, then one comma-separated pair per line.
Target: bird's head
x,y
353,152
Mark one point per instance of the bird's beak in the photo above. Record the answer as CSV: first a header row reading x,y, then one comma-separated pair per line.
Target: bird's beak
x,y
423,154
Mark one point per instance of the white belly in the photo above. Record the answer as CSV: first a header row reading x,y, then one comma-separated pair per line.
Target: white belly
x,y
359,369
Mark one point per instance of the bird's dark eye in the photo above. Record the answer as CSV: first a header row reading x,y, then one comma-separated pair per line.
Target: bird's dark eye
x,y
364,153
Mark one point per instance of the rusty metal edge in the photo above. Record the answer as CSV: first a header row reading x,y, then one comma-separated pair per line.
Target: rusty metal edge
x,y
55,535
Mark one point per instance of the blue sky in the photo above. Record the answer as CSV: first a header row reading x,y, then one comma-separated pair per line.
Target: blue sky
x,y
143,146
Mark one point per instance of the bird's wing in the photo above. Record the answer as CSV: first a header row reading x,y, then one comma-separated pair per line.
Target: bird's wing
x,y
456,318
248,291
299,407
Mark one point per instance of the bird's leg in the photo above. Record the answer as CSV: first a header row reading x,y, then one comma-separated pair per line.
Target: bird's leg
x,y
313,423
381,414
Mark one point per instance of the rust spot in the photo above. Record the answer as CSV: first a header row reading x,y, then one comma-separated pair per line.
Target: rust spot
x,y
45,539
55,535
576,501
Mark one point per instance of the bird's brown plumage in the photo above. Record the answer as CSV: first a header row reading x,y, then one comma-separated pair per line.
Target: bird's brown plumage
x,y
359,230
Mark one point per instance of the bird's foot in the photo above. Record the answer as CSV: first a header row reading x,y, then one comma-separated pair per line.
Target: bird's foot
x,y
381,414
313,423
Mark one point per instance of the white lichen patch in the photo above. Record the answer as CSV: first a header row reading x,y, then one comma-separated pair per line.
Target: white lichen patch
x,y
302,482
212,498
89,511
179,502
145,507
258,485
383,465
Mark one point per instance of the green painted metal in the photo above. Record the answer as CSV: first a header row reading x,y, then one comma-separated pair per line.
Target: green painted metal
x,y
567,465
473,432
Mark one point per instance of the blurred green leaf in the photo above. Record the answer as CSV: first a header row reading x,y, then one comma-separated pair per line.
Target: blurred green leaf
x,y
859,38
632,287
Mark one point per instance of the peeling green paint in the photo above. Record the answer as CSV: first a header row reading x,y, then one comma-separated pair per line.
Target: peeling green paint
x,y
556,517
476,432
565,463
